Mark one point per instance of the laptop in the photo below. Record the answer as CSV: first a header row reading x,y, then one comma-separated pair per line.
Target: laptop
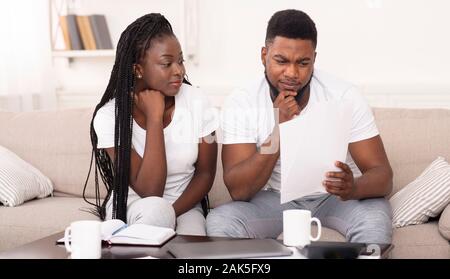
x,y
229,249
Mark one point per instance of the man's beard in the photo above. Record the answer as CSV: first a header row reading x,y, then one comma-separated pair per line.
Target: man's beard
x,y
274,92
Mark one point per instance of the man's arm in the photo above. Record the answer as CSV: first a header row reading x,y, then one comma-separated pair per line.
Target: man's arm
x,y
376,180
245,170
370,157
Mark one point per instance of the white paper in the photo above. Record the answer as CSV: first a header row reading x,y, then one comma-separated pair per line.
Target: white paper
x,y
310,144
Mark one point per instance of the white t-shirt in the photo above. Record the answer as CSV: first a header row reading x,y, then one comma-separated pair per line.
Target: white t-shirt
x,y
193,119
247,116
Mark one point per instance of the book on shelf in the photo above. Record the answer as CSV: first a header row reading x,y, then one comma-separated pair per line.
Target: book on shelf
x,y
115,231
86,32
101,32
74,33
65,31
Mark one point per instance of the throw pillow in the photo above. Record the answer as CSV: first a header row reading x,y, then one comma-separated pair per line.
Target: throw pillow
x,y
20,181
423,198
444,223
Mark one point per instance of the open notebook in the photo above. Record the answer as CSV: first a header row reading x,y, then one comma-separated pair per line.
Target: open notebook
x,y
115,231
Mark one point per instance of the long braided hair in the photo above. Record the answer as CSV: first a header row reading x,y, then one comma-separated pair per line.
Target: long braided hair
x,y
131,48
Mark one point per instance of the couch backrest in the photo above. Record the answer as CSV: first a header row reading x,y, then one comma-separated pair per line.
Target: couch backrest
x,y
58,144
413,138
219,192
55,142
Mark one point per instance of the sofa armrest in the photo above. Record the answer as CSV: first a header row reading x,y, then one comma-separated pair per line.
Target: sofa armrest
x,y
444,223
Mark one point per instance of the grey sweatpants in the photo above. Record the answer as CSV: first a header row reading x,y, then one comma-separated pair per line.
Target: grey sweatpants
x,y
159,212
368,220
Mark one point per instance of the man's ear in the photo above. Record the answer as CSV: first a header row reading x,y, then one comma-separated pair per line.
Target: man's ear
x,y
263,55
315,56
138,71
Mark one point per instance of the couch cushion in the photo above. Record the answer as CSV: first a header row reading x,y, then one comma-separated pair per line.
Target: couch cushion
x,y
20,181
39,218
420,241
425,197
55,142
444,223
219,192
412,139
328,234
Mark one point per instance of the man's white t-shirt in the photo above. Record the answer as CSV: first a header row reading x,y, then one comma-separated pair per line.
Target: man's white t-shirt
x,y
193,118
247,116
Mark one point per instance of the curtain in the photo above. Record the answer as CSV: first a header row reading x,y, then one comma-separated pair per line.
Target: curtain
x,y
26,81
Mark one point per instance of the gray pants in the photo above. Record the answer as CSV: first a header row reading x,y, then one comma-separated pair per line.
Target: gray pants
x,y
368,220
159,212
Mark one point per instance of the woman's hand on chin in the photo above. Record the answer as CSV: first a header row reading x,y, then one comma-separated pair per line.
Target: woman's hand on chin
x,y
151,103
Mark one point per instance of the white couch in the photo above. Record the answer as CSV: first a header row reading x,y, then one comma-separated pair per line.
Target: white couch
x,y
58,144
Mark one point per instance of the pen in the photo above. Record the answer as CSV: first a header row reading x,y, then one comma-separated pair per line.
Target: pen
x,y
119,229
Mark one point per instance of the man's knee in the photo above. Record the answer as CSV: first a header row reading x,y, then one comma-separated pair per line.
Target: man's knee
x,y
154,211
373,224
226,220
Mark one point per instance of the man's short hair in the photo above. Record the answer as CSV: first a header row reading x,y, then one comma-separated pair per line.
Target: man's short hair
x,y
292,24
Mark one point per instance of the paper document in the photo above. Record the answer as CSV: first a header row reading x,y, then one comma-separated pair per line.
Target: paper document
x,y
310,144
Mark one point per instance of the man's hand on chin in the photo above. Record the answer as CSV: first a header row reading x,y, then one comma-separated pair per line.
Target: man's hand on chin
x,y
287,106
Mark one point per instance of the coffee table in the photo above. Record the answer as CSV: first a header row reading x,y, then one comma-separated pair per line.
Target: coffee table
x,y
46,248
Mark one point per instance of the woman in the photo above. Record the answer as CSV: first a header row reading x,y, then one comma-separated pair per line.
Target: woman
x,y
151,150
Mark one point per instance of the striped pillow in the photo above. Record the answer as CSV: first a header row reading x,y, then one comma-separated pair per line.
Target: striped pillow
x,y
423,198
20,181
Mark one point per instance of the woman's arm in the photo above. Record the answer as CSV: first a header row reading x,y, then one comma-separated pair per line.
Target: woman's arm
x,y
201,183
148,174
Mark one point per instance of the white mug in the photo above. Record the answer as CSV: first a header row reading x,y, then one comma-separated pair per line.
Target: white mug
x,y
297,227
85,239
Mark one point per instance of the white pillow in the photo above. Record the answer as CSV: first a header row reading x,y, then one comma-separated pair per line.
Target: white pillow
x,y
20,181
423,198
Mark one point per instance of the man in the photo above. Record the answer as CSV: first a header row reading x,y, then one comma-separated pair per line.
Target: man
x,y
354,206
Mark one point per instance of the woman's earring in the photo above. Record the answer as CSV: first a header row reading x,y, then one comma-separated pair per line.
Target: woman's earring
x,y
139,76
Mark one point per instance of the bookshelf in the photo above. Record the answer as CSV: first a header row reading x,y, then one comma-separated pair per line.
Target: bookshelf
x,y
83,53
81,76
59,8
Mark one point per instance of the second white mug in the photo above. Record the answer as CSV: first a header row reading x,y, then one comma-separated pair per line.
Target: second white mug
x,y
85,239
297,227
